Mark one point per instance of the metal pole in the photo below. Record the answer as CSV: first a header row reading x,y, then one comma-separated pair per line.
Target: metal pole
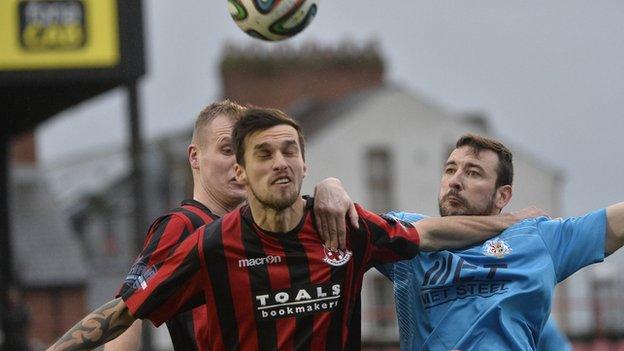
x,y
6,264
138,188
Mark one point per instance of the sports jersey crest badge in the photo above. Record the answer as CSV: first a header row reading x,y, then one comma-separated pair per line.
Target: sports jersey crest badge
x,y
336,257
496,248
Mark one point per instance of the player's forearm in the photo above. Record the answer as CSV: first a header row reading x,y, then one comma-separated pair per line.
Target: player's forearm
x,y
615,227
439,233
130,340
100,326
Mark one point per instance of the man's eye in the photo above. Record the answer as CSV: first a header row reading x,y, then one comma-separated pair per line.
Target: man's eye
x,y
473,173
449,171
227,151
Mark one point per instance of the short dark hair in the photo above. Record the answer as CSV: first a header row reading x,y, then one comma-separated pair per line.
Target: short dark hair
x,y
505,158
258,119
227,108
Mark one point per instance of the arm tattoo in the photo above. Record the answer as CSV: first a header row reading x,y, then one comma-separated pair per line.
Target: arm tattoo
x,y
100,326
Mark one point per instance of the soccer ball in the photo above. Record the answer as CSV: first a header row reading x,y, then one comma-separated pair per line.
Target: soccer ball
x,y
272,19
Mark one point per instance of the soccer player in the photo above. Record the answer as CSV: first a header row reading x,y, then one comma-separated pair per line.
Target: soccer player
x,y
266,279
495,295
215,192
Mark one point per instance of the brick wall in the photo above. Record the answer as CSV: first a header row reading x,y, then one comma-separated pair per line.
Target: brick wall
x,y
281,78
53,311
23,149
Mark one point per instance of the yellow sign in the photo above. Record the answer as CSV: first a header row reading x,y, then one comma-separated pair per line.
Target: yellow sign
x,y
58,34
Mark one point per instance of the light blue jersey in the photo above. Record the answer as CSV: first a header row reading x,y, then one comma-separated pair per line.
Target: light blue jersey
x,y
492,296
552,339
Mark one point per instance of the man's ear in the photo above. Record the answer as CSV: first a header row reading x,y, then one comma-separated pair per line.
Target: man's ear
x,y
503,196
241,175
193,156
305,169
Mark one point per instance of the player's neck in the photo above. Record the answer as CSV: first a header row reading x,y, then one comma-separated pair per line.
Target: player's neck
x,y
215,206
277,221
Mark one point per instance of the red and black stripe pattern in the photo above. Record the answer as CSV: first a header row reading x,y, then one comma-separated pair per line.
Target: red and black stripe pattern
x,y
163,236
272,291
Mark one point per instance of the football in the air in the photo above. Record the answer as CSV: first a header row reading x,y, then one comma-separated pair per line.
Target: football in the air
x,y
273,19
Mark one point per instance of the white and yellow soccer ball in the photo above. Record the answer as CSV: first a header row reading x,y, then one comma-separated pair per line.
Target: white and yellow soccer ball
x,y
273,19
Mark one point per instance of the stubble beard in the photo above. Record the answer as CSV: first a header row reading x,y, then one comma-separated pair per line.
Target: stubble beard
x,y
276,203
467,209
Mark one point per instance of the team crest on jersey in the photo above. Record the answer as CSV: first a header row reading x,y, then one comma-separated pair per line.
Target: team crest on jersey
x,y
496,248
336,257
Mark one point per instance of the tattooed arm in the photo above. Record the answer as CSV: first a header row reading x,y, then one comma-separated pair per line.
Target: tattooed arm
x,y
100,326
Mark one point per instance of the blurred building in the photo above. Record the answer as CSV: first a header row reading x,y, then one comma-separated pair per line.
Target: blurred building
x,y
95,189
49,261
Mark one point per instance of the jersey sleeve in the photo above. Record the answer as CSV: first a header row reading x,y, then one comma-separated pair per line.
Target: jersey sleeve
x,y
170,287
163,236
387,269
407,216
389,239
575,242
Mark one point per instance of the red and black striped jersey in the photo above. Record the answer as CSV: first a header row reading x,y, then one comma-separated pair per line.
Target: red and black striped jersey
x,y
271,291
163,236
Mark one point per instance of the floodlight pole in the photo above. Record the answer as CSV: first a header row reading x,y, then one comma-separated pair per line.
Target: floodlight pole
x,y
138,187
6,266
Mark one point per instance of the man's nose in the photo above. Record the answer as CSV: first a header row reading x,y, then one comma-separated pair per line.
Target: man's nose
x,y
279,161
455,182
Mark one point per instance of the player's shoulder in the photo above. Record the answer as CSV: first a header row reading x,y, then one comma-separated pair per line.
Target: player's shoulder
x,y
193,213
372,217
177,214
178,218
529,223
168,218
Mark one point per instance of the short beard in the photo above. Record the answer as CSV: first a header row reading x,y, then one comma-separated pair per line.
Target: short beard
x,y
468,209
276,204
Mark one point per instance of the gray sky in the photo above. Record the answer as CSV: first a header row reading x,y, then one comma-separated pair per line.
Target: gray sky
x,y
549,75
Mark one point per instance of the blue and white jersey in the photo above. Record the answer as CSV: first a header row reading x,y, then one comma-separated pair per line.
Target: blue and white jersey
x,y
492,296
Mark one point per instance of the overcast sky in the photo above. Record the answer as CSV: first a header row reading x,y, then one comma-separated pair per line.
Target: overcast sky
x,y
549,75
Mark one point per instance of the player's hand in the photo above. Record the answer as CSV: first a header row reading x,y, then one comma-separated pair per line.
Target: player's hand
x,y
529,212
332,205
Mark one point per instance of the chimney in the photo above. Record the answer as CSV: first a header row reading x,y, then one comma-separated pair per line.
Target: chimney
x,y
23,149
478,120
284,76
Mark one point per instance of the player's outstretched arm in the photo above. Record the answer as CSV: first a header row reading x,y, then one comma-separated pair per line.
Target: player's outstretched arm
x,y
130,340
615,228
451,232
100,326
332,205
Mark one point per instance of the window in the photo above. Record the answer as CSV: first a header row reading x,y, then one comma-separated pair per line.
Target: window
x,y
380,180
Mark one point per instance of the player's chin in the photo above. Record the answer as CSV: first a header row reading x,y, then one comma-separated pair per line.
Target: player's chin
x,y
452,211
285,199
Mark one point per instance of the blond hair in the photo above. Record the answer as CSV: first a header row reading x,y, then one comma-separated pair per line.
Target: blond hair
x,y
226,108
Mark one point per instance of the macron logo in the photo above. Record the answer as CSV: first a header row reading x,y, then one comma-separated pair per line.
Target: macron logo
x,y
250,262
